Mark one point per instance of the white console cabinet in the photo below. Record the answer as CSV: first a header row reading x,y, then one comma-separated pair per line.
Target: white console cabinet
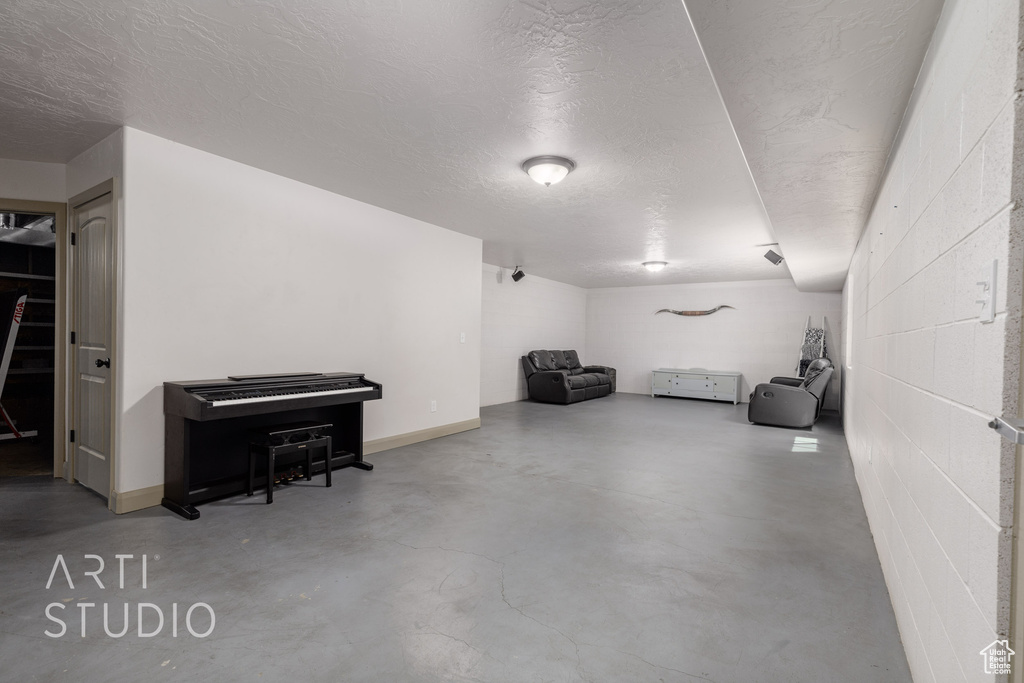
x,y
709,384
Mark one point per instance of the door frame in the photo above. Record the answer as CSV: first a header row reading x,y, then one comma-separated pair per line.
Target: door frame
x,y
112,187
60,311
1016,634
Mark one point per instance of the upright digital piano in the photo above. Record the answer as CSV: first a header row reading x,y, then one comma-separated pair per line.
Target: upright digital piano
x,y
207,425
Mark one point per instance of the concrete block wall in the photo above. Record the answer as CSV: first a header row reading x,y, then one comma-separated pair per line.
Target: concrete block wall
x,y
517,317
924,374
760,337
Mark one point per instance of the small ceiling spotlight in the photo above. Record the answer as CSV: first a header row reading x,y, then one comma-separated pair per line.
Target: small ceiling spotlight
x,y
654,266
548,170
518,274
773,257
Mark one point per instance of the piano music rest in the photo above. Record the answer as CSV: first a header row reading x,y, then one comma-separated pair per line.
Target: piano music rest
x,y
286,439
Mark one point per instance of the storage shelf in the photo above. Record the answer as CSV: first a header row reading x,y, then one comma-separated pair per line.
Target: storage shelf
x,y
37,324
30,371
21,347
30,300
26,276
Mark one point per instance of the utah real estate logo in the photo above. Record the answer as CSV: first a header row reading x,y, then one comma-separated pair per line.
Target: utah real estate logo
x,y
997,656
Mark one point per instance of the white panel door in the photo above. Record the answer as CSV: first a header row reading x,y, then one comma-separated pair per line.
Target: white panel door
x,y
93,296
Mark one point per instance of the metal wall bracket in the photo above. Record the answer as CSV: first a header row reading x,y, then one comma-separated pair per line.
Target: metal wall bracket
x,y
1012,430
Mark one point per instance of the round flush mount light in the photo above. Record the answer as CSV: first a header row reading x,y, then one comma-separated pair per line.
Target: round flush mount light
x,y
548,170
654,266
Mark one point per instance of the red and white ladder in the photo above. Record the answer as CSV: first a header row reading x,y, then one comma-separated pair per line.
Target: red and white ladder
x,y
15,309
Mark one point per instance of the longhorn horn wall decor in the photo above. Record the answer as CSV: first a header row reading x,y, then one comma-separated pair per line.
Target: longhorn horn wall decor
x,y
691,313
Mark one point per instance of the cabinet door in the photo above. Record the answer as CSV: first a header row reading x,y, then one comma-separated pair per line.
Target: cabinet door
x,y
725,385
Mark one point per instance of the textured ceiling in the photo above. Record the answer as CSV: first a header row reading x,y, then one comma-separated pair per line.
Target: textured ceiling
x,y
428,109
816,94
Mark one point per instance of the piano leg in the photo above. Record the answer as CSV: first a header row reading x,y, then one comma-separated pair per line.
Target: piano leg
x,y
176,467
187,511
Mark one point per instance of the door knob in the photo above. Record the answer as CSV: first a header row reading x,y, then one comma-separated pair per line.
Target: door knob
x,y
101,363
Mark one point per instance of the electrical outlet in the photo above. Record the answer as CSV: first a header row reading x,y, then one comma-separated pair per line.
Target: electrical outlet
x,y
433,406
462,337
987,282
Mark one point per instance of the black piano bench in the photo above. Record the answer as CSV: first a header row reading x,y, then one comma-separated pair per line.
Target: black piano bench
x,y
288,439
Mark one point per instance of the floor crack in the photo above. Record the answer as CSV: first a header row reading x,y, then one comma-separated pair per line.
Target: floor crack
x,y
579,659
664,668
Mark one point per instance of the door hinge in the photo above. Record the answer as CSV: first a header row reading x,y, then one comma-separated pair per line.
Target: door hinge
x,y
1010,429
72,436
72,337
73,239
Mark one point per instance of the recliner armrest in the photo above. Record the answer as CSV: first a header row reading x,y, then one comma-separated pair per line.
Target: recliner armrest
x,y
782,406
603,369
787,381
549,386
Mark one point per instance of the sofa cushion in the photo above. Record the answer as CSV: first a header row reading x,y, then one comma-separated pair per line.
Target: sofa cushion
x,y
590,378
572,360
576,382
559,359
602,378
542,360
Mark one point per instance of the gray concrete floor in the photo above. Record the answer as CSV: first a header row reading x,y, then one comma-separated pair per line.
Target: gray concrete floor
x,y
622,539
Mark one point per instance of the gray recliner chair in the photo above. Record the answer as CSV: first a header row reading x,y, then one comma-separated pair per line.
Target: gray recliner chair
x,y
791,401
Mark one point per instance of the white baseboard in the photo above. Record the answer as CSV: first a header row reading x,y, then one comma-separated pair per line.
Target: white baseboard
x,y
130,501
389,442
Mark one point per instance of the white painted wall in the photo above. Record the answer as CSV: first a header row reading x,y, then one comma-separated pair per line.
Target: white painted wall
x,y
232,270
926,376
102,161
518,317
761,338
32,180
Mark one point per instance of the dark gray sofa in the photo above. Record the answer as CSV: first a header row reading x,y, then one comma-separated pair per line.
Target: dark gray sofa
x,y
791,401
559,377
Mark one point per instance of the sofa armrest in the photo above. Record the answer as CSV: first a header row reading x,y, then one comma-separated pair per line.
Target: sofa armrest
x,y
549,386
787,381
782,406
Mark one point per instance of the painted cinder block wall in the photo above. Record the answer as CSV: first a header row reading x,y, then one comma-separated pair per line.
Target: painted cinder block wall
x,y
516,317
760,337
925,375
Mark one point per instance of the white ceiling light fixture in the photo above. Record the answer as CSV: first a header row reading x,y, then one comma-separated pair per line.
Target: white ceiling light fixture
x,y
654,266
548,170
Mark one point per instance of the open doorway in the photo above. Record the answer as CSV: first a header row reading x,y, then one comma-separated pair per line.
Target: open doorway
x,y
30,312
28,299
